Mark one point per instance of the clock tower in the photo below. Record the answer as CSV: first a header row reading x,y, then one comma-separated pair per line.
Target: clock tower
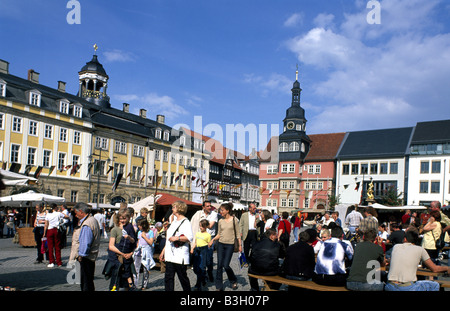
x,y
294,144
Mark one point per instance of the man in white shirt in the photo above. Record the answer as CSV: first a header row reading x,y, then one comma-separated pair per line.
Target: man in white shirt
x,y
248,228
101,219
405,259
212,217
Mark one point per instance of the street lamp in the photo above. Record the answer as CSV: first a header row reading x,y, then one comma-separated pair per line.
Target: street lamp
x,y
190,169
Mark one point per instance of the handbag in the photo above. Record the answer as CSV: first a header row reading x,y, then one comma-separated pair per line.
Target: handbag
x,y
440,243
236,241
284,236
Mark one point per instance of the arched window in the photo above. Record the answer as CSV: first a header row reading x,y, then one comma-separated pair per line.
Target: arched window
x,y
283,147
294,146
303,147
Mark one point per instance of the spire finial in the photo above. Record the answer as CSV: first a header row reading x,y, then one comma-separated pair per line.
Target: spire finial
x,y
95,48
296,74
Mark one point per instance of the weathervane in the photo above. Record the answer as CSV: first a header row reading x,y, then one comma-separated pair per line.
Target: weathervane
x,y
95,48
296,74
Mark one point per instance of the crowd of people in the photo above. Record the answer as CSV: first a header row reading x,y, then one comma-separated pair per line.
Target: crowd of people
x,y
356,256
331,252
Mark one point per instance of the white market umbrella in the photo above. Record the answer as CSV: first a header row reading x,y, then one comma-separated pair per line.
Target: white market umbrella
x,y
147,202
22,199
15,179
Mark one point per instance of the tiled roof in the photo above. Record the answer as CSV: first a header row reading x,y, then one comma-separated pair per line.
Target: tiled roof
x,y
324,146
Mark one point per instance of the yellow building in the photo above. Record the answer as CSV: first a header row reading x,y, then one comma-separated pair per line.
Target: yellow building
x,y
82,149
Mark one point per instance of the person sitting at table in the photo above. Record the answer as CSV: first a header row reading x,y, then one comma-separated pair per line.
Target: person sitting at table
x,y
361,269
330,267
405,259
264,258
396,237
300,258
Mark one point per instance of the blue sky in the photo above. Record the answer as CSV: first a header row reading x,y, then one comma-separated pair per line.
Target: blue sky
x,y
233,62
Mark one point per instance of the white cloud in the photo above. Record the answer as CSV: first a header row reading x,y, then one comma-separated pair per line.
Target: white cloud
x,y
118,56
274,82
294,20
377,76
154,104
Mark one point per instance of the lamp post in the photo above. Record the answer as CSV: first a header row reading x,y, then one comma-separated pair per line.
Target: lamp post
x,y
190,169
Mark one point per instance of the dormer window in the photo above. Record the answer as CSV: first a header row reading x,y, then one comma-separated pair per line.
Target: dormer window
x,y
64,106
34,98
2,88
166,135
182,140
77,111
158,133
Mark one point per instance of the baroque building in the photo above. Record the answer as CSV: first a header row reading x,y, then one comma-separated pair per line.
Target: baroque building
x,y
81,148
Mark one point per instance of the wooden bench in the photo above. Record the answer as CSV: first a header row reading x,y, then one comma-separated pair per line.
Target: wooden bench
x,y
443,284
303,284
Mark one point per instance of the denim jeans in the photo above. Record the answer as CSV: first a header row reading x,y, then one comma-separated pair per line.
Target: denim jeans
x,y
417,286
365,287
224,255
199,260
296,229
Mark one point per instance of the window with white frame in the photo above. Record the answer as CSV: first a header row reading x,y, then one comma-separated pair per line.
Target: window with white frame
x,y
165,156
64,106
17,125
33,128
77,137
284,147
272,169
294,146
118,168
48,131
158,133
31,156
166,136
46,158
61,161
136,173
15,153
292,185
138,151
35,99
284,185
157,155
63,134
75,160
120,147
183,140
77,111
101,143
73,196
2,88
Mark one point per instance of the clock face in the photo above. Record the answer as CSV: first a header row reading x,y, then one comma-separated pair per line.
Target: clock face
x,y
290,125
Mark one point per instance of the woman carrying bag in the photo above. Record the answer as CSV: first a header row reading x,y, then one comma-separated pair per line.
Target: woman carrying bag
x,y
228,232
176,251
122,243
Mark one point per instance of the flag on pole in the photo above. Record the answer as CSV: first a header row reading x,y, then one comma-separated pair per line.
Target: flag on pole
x,y
109,169
28,169
117,181
15,167
51,169
37,172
